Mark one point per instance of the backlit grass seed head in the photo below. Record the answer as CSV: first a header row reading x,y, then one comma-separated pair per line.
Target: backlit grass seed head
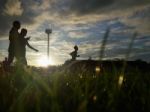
x,y
94,76
120,81
67,84
94,98
81,76
97,69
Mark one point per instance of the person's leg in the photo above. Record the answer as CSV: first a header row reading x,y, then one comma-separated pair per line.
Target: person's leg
x,y
24,61
10,57
19,59
24,55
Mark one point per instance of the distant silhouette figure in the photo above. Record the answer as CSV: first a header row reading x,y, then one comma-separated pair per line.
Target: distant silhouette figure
x,y
90,58
74,54
5,64
21,55
13,41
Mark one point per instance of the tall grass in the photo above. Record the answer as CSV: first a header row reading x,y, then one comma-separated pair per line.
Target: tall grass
x,y
103,44
75,90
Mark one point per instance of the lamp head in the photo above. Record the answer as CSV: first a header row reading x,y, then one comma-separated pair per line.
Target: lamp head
x,y
48,31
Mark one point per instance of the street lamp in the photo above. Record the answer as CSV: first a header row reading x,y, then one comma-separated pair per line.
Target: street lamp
x,y
48,31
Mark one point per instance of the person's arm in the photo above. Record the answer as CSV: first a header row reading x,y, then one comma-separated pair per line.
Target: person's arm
x,y
71,53
31,47
28,38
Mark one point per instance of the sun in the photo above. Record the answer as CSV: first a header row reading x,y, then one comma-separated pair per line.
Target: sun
x,y
44,61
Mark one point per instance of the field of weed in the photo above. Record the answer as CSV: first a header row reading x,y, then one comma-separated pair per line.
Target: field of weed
x,y
76,88
28,90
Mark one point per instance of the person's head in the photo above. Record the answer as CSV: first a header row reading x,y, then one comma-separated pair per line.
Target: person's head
x,y
23,32
76,47
16,24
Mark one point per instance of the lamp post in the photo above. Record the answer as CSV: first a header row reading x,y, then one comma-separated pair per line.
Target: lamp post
x,y
48,31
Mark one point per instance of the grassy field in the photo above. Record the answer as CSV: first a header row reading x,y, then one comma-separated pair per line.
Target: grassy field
x,y
78,87
66,89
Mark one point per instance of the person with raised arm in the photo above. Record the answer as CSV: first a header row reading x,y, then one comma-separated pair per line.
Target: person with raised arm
x,y
23,42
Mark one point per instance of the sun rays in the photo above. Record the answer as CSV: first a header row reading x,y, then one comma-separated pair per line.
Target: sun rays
x,y
44,61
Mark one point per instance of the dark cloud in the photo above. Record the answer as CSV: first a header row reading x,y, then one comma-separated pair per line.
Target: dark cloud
x,y
88,6
9,12
29,10
96,6
3,23
141,13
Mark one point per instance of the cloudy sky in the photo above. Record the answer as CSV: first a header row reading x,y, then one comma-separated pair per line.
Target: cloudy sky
x,y
79,22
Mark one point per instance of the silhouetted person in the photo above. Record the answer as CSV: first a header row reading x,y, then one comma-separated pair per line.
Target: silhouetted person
x,y
5,64
22,47
90,58
13,41
74,54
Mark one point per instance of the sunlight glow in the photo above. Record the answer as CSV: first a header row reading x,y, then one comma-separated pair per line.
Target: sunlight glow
x,y
120,81
97,69
44,61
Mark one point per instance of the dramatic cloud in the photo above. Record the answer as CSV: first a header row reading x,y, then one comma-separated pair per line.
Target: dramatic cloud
x,y
103,6
34,12
89,6
81,22
13,7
